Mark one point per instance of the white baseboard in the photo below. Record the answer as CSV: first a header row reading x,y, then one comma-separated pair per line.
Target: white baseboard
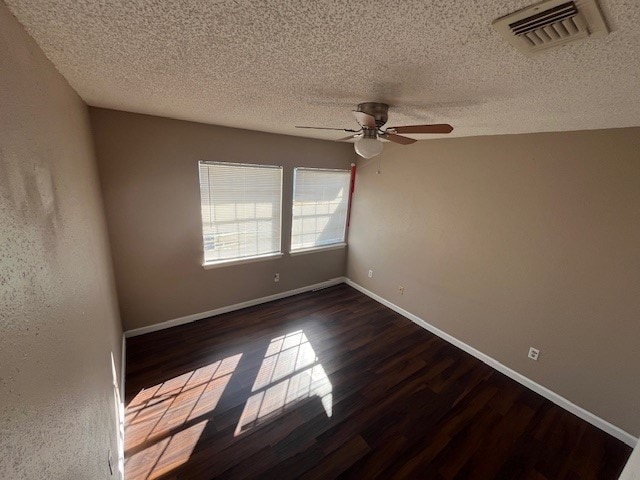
x,y
219,311
493,363
123,374
123,364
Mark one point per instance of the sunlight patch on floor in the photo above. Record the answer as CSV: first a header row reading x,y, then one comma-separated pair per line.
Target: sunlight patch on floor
x,y
162,421
289,374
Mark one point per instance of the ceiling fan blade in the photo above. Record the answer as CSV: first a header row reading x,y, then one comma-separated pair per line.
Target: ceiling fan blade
x,y
435,128
350,138
329,128
398,138
364,119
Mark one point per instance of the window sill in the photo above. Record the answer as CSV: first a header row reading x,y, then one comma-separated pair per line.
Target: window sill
x,y
240,261
318,249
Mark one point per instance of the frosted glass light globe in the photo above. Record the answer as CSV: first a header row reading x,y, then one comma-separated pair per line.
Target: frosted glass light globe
x,y
368,147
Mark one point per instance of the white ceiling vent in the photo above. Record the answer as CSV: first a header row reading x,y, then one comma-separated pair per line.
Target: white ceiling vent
x,y
551,23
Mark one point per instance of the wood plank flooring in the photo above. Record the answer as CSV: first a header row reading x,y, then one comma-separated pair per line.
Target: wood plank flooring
x,y
331,384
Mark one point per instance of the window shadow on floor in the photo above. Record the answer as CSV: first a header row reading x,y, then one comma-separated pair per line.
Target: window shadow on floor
x,y
196,414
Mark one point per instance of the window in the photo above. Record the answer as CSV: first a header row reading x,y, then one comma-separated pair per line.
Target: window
x,y
241,210
320,204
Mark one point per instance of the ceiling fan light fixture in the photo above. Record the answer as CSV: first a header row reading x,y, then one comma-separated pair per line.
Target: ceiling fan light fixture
x,y
368,146
372,117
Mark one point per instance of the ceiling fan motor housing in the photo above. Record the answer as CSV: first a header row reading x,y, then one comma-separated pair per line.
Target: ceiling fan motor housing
x,y
380,111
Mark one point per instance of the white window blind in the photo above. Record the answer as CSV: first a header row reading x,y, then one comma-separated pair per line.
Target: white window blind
x,y
320,204
241,210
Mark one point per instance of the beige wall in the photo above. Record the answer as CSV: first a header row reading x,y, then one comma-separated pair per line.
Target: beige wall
x,y
508,242
149,173
59,322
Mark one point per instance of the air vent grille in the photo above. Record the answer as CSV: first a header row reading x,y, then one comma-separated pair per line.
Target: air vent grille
x,y
551,23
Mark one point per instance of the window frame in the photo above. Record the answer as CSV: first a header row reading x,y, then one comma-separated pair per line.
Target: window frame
x,y
331,246
246,259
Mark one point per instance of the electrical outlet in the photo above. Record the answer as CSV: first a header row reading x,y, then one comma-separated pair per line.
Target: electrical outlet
x,y
370,273
401,290
276,277
110,462
533,353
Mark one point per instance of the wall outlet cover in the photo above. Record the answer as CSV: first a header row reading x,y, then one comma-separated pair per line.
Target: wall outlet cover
x,y
110,462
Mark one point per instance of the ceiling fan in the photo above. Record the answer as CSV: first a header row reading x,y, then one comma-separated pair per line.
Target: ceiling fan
x,y
372,116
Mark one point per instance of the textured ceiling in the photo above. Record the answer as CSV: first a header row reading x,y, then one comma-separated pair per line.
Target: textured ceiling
x,y
272,65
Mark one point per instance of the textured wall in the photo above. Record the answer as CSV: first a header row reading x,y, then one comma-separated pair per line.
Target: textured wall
x,y
514,241
59,323
149,173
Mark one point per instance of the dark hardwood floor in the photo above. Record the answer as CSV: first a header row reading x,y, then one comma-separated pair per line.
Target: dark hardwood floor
x,y
331,384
